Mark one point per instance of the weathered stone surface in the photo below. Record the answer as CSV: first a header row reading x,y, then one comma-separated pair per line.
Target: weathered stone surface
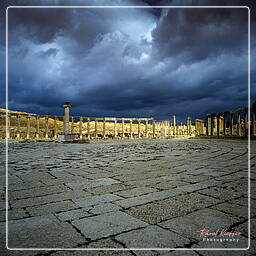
x,y
73,214
97,199
151,237
48,199
190,225
86,184
171,207
135,192
107,224
61,235
233,209
102,208
31,223
13,214
108,189
34,192
191,174
51,208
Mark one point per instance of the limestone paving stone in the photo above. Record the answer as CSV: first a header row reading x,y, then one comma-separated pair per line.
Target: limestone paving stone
x,y
232,209
31,223
61,235
103,208
48,199
135,192
73,214
158,211
37,176
107,224
96,199
85,184
151,237
25,185
34,192
109,189
51,208
190,225
13,214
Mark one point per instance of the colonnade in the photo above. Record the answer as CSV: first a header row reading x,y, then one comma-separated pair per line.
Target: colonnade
x,y
231,123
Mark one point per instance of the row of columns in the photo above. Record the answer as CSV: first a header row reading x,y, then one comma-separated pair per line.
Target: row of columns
x,y
217,123
115,134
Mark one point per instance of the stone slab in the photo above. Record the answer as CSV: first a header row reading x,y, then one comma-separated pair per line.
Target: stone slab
x,y
86,184
190,225
97,199
151,237
107,224
51,208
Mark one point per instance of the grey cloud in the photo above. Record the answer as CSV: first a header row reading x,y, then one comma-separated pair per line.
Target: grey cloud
x,y
126,62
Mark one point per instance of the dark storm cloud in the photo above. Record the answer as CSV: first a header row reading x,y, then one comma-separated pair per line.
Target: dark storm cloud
x,y
128,62
200,33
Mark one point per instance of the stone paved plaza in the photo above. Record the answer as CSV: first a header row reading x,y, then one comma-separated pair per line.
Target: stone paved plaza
x,y
154,193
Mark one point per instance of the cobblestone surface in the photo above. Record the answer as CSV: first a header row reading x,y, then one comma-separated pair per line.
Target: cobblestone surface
x,y
128,194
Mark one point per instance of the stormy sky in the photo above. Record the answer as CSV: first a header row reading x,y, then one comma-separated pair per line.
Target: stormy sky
x,y
127,62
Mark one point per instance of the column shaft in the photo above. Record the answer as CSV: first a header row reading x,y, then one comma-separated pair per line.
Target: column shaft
x,y
88,128
18,127
154,128
104,128
122,128
56,128
131,129
239,123
96,128
146,128
115,124
46,127
28,127
231,124
37,127
139,128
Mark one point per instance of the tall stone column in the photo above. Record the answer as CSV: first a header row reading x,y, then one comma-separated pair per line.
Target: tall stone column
x,y
231,124
88,128
131,129
56,128
218,125
28,127
212,125
18,127
139,128
246,119
253,123
170,130
37,127
239,123
154,128
224,123
189,125
104,128
96,128
115,124
66,117
46,127
146,128
72,124
80,128
8,126
122,128
174,125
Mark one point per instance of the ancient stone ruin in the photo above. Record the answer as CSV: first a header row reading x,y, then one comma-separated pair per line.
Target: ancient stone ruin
x,y
26,126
